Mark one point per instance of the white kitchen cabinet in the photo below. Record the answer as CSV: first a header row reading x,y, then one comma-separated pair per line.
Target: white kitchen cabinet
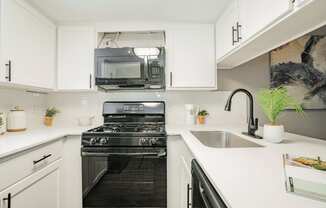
x,y
242,20
190,50
42,189
178,172
76,46
276,26
28,45
226,30
255,15
185,182
71,173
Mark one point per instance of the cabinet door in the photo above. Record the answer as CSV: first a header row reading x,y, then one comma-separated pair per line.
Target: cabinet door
x,y
190,56
178,172
28,42
224,30
75,58
255,15
36,191
185,183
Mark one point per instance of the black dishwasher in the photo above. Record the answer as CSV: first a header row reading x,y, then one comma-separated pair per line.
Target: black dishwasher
x,y
203,193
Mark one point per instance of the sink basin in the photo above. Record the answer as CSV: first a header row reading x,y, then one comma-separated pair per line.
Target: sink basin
x,y
222,139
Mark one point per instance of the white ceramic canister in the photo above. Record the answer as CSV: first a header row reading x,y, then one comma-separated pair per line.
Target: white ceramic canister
x,y
16,120
190,114
3,123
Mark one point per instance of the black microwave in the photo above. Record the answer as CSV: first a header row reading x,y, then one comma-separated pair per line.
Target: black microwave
x,y
130,68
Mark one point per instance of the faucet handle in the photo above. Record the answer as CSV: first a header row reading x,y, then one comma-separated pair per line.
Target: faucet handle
x,y
256,123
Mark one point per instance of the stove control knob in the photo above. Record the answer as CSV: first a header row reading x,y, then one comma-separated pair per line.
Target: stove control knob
x,y
103,141
92,141
143,141
153,141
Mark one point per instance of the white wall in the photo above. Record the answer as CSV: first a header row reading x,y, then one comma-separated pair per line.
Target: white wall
x,y
73,105
33,104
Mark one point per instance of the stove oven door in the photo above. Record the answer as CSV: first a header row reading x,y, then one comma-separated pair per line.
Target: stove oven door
x,y
124,177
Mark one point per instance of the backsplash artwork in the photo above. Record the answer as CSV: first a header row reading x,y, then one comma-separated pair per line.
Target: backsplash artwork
x,y
300,66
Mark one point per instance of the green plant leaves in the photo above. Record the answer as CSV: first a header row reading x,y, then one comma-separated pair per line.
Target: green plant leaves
x,y
203,113
50,112
276,100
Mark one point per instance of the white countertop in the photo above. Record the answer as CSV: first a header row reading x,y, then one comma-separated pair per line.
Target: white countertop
x,y
252,177
244,177
14,142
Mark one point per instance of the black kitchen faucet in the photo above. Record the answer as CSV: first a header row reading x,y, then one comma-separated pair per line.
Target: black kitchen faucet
x,y
252,123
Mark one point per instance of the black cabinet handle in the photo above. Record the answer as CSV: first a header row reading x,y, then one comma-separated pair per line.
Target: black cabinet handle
x,y
233,36
170,79
90,81
8,77
188,196
43,158
8,199
238,32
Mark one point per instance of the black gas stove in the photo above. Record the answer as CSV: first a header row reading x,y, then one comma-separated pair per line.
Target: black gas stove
x,y
124,160
129,124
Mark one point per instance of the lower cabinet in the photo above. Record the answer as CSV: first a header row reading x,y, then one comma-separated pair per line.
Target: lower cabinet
x,y
185,183
39,190
71,194
179,173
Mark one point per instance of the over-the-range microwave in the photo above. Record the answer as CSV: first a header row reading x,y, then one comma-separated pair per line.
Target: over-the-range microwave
x,y
130,68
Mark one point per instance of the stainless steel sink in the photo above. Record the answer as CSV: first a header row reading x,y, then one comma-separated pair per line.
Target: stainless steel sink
x,y
222,139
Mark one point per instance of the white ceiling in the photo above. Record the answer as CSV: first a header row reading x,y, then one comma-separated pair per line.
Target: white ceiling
x,y
130,10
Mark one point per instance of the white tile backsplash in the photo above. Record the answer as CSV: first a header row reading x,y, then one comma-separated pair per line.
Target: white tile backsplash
x,y
73,105
33,104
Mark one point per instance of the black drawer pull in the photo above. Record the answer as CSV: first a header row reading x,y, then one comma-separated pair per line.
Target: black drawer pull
x,y
8,199
43,158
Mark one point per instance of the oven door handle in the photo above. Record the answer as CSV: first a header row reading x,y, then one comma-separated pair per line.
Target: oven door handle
x,y
204,197
106,154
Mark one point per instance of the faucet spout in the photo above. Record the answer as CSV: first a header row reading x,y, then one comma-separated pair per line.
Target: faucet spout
x,y
252,123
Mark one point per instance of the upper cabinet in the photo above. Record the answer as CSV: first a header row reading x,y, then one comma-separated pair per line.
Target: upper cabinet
x,y
190,52
242,19
76,46
28,46
260,26
254,15
227,37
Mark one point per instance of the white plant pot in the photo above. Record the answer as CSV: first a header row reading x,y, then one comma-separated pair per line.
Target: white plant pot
x,y
273,133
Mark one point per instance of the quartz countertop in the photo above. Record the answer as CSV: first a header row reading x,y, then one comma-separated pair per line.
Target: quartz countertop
x,y
252,177
244,177
14,142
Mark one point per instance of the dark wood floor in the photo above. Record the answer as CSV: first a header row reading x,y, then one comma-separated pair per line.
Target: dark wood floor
x,y
139,182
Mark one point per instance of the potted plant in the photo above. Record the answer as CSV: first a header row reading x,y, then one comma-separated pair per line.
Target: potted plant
x,y
201,116
49,115
273,102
